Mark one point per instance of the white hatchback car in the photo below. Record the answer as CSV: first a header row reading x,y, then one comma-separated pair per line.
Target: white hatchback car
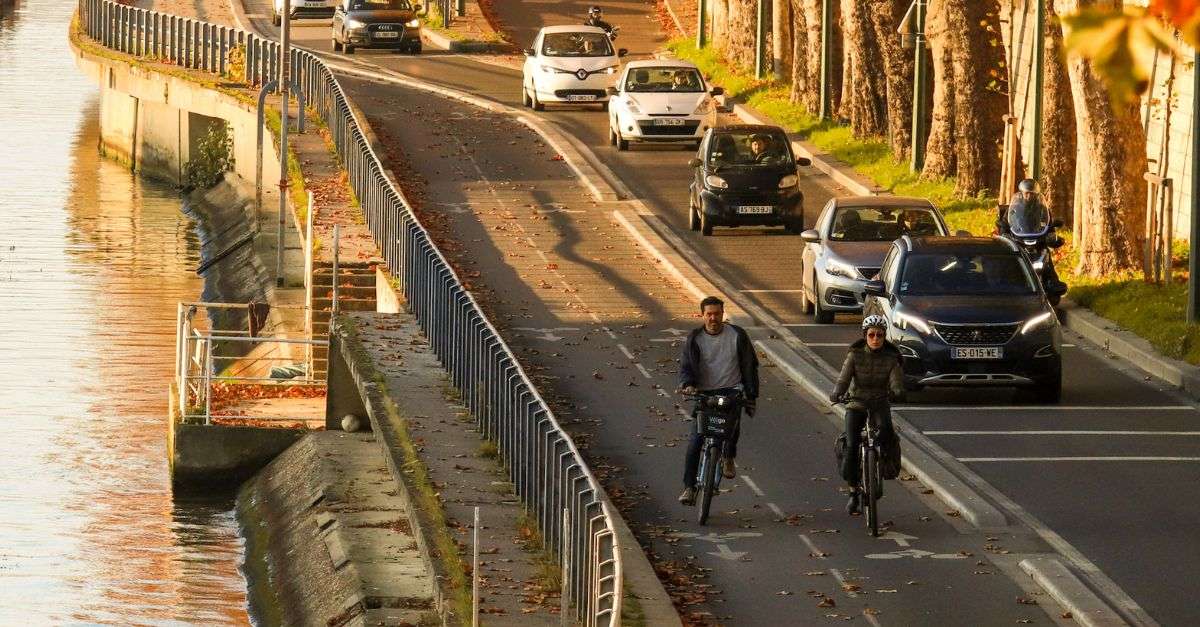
x,y
574,64
303,8
660,101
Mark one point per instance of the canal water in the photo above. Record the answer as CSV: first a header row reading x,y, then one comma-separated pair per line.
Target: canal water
x,y
92,263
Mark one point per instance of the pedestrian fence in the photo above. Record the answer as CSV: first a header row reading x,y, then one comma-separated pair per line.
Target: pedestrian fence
x,y
546,468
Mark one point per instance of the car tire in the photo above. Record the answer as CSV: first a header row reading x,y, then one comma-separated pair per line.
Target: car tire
x,y
806,305
348,49
604,106
415,48
525,100
706,225
795,227
693,219
612,136
622,143
333,43
820,314
534,102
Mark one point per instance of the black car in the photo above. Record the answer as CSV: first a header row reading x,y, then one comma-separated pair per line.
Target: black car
x,y
745,175
968,311
390,24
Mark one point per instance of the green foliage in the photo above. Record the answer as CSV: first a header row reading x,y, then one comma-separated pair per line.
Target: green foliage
x,y
213,157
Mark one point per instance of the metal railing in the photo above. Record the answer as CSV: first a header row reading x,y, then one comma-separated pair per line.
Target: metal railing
x,y
543,462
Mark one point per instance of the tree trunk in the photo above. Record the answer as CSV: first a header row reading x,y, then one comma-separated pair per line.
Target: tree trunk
x,y
805,90
898,72
1111,160
741,33
865,92
940,158
1058,127
781,38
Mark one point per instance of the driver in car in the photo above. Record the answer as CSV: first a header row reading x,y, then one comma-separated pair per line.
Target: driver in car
x,y
682,81
914,222
763,149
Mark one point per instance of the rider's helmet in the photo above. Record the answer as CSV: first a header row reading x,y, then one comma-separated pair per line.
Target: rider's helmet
x,y
594,11
1027,189
874,320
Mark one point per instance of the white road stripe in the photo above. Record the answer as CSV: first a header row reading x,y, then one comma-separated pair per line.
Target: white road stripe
x,y
812,547
775,508
969,408
837,575
827,344
626,351
645,373
753,486
808,324
1063,432
770,291
1078,459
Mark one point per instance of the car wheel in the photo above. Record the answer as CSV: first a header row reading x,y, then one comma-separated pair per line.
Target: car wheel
x,y
534,102
622,143
415,48
693,218
348,48
525,101
820,314
706,225
612,136
604,106
333,43
806,305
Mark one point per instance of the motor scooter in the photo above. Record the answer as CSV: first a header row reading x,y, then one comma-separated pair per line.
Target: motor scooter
x,y
1033,229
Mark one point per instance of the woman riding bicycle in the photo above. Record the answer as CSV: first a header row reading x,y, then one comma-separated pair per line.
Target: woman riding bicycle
x,y
873,375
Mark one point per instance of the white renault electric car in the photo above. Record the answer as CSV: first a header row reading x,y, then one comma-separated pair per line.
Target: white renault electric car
x,y
660,101
573,64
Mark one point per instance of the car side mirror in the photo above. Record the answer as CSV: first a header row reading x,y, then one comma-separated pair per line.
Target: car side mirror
x,y
528,52
962,233
717,91
875,288
695,162
1056,223
1056,288
622,52
803,161
811,236
612,91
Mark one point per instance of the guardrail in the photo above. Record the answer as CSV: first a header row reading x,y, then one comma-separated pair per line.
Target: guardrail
x,y
543,462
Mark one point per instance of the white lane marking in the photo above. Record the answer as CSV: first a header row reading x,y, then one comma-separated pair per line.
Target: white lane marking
x,y
1063,432
753,486
808,324
899,538
969,408
625,351
663,393
776,509
828,344
682,412
724,552
1078,459
595,318
645,373
854,595
610,333
770,291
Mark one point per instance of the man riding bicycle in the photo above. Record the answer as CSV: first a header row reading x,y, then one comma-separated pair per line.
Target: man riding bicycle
x,y
873,376
719,358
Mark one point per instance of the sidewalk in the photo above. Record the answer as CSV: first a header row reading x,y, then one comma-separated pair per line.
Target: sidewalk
x,y
472,32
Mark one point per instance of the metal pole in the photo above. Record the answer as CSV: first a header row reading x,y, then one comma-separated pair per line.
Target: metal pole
x,y
1193,300
460,8
826,58
760,41
701,18
336,241
920,81
565,553
1039,70
283,139
258,164
445,13
475,572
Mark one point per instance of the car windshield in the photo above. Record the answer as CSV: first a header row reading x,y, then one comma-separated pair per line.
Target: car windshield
x,y
749,148
949,274
882,224
576,45
664,79
379,5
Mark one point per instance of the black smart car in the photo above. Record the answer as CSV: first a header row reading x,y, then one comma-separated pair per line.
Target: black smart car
x,y
968,311
376,24
745,175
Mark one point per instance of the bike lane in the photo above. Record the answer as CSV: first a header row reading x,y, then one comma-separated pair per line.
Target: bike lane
x,y
597,326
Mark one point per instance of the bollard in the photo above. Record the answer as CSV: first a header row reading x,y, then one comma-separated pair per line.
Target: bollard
x,y
475,572
334,304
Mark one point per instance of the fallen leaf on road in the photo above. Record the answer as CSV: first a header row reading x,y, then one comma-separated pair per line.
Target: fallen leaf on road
x,y
1025,601
827,602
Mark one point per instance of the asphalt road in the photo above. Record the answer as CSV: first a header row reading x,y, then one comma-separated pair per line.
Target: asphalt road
x,y
1099,471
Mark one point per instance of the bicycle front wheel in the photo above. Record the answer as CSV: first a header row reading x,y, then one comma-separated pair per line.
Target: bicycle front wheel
x,y
870,481
708,482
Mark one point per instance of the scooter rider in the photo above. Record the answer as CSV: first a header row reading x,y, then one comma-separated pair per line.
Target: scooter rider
x,y
1026,213
717,357
595,18
873,376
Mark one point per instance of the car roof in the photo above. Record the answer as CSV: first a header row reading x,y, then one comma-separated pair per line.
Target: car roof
x,y
960,245
881,201
746,128
572,28
661,63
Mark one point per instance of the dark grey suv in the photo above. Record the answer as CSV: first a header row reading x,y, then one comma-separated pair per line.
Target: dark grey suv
x,y
968,311
390,24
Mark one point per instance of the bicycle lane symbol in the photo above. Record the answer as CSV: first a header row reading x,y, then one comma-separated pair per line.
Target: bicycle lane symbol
x,y
902,540
720,542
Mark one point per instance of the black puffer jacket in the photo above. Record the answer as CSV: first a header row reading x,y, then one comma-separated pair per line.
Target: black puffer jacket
x,y
871,376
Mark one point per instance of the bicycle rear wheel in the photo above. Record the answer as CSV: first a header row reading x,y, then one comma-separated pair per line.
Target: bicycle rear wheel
x,y
870,483
708,481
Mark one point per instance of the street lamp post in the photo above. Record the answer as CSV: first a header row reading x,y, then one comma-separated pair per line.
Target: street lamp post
x,y
1193,299
283,138
760,42
701,18
920,80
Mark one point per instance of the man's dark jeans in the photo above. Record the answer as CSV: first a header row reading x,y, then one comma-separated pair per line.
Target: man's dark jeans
x,y
691,464
855,419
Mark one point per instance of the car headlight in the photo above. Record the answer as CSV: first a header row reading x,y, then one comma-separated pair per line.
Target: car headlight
x,y
1038,265
906,321
715,181
632,106
790,180
704,108
611,69
413,23
840,268
354,24
1043,319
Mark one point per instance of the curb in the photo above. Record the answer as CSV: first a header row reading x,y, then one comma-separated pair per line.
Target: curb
x,y
1063,586
453,45
925,467
1131,348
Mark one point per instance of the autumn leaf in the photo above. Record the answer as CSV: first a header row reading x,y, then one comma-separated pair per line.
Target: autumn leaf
x,y
1182,14
1120,45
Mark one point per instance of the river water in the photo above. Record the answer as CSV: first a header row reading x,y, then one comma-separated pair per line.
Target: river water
x,y
92,263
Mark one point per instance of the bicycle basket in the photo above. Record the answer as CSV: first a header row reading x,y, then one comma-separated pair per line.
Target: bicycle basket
x,y
716,424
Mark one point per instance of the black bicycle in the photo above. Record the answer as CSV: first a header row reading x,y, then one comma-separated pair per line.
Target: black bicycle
x,y
870,478
717,417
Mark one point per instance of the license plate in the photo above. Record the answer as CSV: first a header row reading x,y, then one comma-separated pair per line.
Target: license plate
x,y
978,352
581,97
669,122
387,34
756,209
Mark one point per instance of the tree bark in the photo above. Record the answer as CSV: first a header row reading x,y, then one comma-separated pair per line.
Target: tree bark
x,y
898,72
1058,127
1111,157
940,158
806,64
741,32
865,92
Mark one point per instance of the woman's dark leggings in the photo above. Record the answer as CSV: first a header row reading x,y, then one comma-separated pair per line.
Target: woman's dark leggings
x,y
855,419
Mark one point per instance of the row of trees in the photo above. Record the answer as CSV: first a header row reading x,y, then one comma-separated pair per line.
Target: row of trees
x,y
1087,126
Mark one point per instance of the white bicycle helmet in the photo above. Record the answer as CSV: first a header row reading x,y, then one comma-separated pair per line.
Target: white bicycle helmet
x,y
874,320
